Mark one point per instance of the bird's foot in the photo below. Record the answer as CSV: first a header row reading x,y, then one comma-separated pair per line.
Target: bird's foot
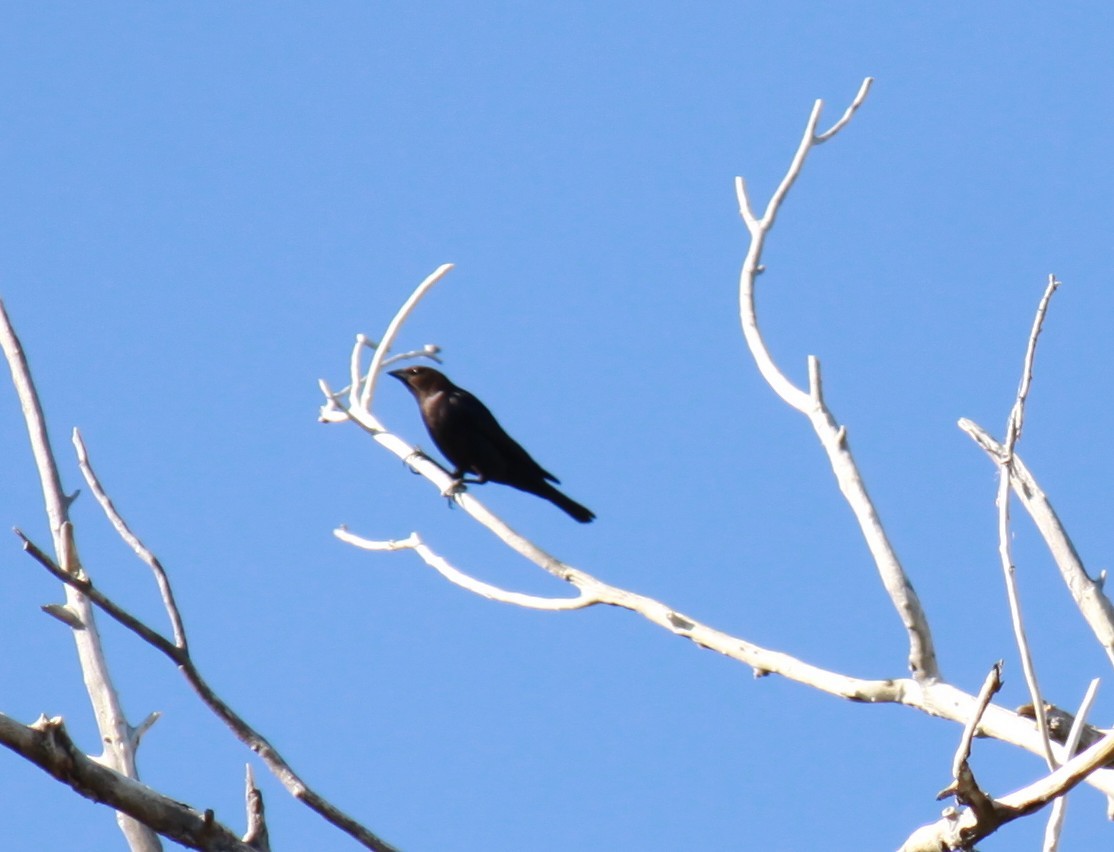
x,y
417,454
457,486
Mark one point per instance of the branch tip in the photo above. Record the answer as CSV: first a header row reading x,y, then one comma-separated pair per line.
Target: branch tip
x,y
64,614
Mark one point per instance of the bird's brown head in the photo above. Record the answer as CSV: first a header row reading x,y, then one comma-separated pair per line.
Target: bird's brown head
x,y
421,380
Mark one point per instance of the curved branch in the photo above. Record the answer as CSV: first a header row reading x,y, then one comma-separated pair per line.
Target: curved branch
x,y
935,697
847,113
459,578
124,531
392,331
833,436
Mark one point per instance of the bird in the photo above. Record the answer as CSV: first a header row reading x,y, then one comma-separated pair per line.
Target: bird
x,y
471,438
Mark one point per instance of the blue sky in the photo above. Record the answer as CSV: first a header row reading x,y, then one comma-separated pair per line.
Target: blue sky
x,y
203,203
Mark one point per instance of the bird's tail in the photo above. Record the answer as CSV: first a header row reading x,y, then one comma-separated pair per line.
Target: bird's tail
x,y
566,504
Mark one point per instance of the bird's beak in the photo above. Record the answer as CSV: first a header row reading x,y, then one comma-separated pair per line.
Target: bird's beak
x,y
398,374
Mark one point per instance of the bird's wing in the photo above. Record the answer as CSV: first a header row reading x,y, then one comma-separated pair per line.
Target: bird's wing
x,y
492,453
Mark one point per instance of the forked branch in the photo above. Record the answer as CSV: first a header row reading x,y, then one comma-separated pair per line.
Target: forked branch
x,y
178,652
118,738
811,403
47,744
1087,592
962,830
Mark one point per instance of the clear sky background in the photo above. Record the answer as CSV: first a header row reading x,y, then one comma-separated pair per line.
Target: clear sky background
x,y
203,203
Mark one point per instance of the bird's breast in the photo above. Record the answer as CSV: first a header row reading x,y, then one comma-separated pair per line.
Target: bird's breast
x,y
431,404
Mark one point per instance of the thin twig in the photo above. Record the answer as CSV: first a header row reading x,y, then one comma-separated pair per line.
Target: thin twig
x,y
1088,594
132,540
358,411
964,786
848,113
392,331
459,578
1059,807
85,586
1013,433
1017,413
991,685
333,398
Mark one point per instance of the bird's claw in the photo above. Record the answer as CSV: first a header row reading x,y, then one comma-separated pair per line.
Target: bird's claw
x,y
457,486
417,453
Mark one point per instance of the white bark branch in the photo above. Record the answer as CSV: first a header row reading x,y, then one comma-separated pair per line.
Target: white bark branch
x,y
833,437
1014,425
124,531
924,691
963,829
115,732
180,656
935,698
1087,593
459,578
990,688
47,744
1056,819
389,336
358,410
964,786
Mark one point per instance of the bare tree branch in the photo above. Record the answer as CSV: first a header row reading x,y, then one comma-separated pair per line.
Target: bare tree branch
x,y
935,698
453,575
1056,819
245,732
962,830
964,786
133,542
924,691
1089,597
1009,571
115,733
833,437
392,331
46,744
960,772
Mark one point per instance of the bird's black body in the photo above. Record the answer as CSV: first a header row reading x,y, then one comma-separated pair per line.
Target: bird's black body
x,y
472,439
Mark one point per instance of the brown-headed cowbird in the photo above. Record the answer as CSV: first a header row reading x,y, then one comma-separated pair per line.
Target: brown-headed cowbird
x,y
472,439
